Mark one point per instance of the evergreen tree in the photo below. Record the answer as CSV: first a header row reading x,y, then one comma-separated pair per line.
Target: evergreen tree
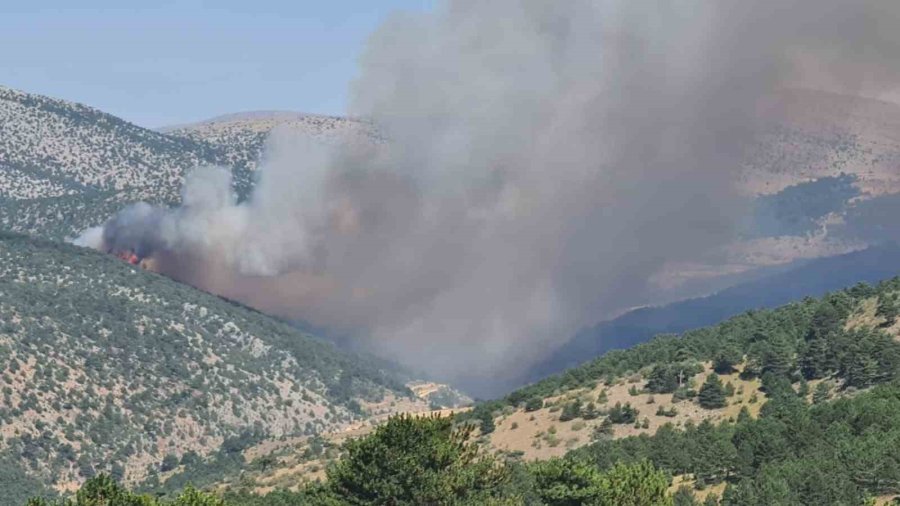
x,y
775,356
815,360
534,404
725,360
825,320
602,398
803,389
571,411
887,309
822,393
486,424
712,393
684,497
623,414
413,461
570,482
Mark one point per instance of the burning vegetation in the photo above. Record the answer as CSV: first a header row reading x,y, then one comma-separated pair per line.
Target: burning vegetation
x,y
127,255
132,257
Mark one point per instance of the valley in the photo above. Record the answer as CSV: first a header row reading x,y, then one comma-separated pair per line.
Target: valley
x,y
114,370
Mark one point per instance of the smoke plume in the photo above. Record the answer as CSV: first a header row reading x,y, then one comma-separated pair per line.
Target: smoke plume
x,y
544,160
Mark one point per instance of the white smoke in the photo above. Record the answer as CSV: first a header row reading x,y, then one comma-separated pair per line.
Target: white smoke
x,y
545,160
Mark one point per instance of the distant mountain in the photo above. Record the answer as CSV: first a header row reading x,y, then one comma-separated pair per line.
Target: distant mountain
x,y
65,166
107,367
809,279
815,134
241,137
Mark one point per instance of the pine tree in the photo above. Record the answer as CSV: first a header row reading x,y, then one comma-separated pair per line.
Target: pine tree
x,y
821,393
887,309
487,423
570,411
534,404
825,320
803,389
814,359
712,393
778,358
725,360
602,398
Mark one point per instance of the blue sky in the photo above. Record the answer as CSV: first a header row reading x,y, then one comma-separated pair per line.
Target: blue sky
x,y
167,62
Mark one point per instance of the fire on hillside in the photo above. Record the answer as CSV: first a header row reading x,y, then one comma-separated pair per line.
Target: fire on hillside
x,y
130,256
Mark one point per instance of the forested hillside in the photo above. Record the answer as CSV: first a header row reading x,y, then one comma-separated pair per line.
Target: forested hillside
x,y
769,402
810,278
107,367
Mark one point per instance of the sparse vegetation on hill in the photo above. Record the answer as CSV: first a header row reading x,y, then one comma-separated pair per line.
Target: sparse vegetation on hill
x,y
109,368
415,461
65,166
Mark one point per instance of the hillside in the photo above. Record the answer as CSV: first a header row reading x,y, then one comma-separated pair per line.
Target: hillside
x,y
242,136
66,166
111,368
808,279
794,405
815,134
847,340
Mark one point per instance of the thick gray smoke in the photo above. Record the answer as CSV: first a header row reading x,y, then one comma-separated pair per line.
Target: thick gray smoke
x,y
545,160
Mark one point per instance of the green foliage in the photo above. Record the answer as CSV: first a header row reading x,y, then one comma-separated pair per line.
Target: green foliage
x,y
887,309
622,414
671,412
635,485
666,378
571,410
712,393
838,452
104,491
726,359
416,461
424,461
806,337
602,398
568,482
822,393
486,425
169,463
534,404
